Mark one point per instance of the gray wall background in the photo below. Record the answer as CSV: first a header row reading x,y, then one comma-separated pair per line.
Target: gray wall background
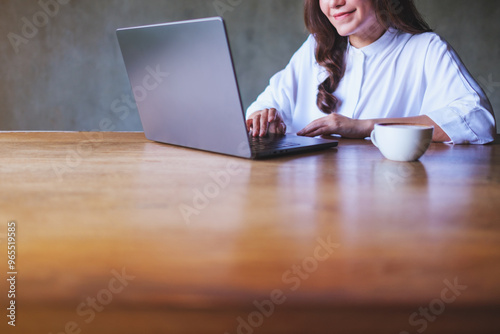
x,y
68,74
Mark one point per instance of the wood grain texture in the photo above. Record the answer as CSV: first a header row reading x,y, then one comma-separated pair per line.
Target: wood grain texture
x,y
206,237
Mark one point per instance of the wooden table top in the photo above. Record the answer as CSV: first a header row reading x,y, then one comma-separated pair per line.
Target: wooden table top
x,y
117,234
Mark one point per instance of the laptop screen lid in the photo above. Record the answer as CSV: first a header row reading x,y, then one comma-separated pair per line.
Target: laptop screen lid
x,y
184,84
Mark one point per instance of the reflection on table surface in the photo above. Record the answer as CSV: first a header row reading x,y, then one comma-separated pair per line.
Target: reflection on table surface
x,y
119,234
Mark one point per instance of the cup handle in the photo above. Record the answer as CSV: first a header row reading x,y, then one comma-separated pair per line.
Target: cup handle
x,y
372,136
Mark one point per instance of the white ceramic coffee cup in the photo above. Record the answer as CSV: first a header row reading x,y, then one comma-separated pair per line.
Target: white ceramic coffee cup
x,y
402,142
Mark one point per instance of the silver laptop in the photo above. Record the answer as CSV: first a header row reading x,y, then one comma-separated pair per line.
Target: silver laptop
x,y
185,87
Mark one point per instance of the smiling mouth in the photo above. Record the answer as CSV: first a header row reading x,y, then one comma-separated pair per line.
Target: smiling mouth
x,y
341,16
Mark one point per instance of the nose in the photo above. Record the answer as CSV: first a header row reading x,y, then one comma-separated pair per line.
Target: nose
x,y
336,3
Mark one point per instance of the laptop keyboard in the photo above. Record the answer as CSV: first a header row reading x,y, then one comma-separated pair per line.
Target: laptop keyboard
x,y
265,144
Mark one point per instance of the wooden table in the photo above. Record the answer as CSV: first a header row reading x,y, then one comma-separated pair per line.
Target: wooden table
x,y
117,234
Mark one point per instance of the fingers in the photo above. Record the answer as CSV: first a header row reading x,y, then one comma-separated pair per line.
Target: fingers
x,y
255,128
312,130
264,121
256,122
273,115
253,123
277,127
314,133
323,126
249,123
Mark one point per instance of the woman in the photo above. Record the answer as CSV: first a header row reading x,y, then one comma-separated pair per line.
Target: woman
x,y
372,61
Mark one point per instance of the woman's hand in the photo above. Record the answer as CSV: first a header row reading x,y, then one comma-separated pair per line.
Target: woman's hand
x,y
262,122
339,125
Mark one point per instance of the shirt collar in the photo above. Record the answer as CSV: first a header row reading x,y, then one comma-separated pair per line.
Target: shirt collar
x,y
381,45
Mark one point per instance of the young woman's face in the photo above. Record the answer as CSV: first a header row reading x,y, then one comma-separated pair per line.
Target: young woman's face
x,y
351,17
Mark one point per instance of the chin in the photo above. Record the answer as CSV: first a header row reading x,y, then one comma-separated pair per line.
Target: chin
x,y
344,33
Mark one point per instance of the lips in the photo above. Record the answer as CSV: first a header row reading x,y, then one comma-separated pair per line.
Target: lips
x,y
340,16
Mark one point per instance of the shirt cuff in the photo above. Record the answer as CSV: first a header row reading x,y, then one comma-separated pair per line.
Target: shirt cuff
x,y
475,127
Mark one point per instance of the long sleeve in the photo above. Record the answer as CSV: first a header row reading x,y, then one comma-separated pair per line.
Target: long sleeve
x,y
453,99
290,86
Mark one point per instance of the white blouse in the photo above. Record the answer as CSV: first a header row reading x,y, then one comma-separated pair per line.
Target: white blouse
x,y
399,75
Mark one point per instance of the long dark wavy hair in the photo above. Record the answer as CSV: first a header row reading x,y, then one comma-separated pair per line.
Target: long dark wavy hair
x,y
331,47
